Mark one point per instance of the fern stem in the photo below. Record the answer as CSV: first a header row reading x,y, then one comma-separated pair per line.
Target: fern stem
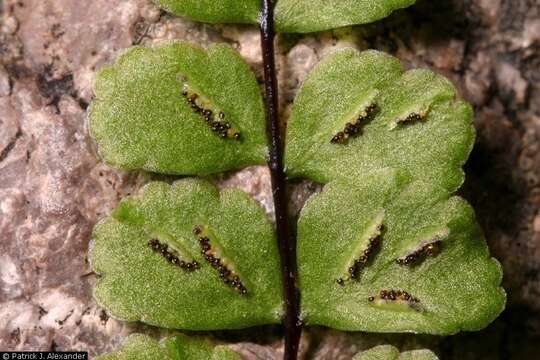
x,y
286,239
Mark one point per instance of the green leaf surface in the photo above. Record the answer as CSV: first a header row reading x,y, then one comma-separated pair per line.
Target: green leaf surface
x,y
342,87
388,352
304,16
141,119
456,288
215,11
179,347
139,283
293,16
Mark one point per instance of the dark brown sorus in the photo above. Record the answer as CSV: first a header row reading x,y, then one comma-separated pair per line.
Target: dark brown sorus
x,y
171,256
411,118
220,127
429,250
228,276
395,295
353,129
361,262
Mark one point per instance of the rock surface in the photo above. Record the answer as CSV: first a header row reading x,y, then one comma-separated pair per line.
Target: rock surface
x,y
53,188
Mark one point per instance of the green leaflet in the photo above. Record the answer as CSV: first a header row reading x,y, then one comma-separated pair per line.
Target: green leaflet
x,y
300,16
343,86
179,347
140,118
139,283
304,16
215,11
384,247
457,288
388,352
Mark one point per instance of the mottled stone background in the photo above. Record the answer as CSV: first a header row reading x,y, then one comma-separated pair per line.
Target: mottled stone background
x,y
53,187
